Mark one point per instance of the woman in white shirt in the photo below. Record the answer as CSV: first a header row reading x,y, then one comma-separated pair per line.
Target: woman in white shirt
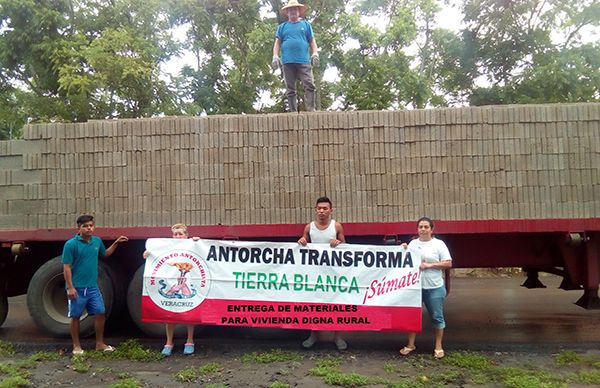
x,y
435,258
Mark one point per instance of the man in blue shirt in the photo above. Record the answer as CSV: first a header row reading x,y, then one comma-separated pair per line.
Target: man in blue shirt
x,y
293,39
80,268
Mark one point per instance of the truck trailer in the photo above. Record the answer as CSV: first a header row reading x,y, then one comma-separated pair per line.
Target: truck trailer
x,y
508,186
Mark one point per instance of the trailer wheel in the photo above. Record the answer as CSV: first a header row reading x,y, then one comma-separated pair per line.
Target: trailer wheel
x,y
119,285
134,304
3,304
47,299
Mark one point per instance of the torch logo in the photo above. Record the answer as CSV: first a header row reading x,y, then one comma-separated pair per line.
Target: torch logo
x,y
179,281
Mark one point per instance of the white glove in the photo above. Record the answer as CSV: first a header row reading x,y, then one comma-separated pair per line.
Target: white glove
x,y
276,62
314,60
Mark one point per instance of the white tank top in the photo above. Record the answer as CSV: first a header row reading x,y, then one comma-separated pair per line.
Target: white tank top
x,y
324,236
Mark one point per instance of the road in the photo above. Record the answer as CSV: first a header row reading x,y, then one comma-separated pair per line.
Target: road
x,y
481,314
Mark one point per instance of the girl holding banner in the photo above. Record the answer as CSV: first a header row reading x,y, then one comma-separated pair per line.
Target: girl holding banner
x,y
177,231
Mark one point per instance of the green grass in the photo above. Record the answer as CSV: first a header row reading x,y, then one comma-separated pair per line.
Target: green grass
x,y
6,349
80,364
45,356
15,382
328,369
514,377
128,350
567,357
274,355
469,360
17,375
191,374
128,382
586,376
188,374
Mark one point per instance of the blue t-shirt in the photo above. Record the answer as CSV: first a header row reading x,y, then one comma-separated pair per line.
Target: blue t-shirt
x,y
83,257
295,39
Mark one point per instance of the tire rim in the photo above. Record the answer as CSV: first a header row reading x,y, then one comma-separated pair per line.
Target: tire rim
x,y
54,300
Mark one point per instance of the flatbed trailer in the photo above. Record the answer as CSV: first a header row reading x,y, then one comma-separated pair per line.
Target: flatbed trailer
x,y
508,186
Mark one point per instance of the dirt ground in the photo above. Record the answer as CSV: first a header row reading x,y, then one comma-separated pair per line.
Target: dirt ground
x,y
501,335
235,362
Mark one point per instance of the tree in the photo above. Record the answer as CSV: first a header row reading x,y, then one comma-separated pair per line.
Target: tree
x,y
532,50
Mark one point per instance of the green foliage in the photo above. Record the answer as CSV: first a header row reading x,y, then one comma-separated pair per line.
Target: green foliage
x,y
567,357
14,382
527,378
467,360
389,367
346,379
6,349
585,376
128,382
75,60
187,375
129,350
45,356
193,373
279,384
80,364
17,375
274,355
210,369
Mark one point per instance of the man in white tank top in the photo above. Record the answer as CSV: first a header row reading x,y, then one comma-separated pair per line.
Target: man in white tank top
x,y
324,230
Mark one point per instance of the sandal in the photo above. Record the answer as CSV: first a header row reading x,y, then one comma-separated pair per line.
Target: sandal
x,y
188,348
405,351
167,350
438,353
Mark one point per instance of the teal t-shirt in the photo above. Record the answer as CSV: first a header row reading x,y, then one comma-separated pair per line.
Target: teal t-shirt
x,y
295,38
83,257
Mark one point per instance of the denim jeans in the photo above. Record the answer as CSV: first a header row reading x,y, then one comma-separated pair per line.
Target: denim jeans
x,y
433,299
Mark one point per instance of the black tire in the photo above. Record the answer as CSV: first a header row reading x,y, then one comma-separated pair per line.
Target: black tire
x,y
3,304
47,299
119,302
134,304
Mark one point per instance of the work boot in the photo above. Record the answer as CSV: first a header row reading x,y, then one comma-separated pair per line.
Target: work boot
x,y
309,97
292,104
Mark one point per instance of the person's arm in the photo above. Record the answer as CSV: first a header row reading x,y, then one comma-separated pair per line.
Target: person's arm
x,y
276,63
443,255
111,249
68,274
305,236
444,264
339,236
313,47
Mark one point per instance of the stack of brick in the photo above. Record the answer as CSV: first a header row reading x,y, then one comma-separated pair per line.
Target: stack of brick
x,y
475,163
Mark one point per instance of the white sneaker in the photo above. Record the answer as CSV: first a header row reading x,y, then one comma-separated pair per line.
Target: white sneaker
x,y
310,341
341,344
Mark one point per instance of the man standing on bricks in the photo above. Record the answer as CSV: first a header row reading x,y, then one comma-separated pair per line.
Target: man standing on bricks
x,y
294,38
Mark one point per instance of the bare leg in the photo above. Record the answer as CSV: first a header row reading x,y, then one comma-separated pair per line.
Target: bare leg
x,y
410,346
190,334
411,340
99,321
188,348
170,330
75,333
339,341
439,334
310,341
